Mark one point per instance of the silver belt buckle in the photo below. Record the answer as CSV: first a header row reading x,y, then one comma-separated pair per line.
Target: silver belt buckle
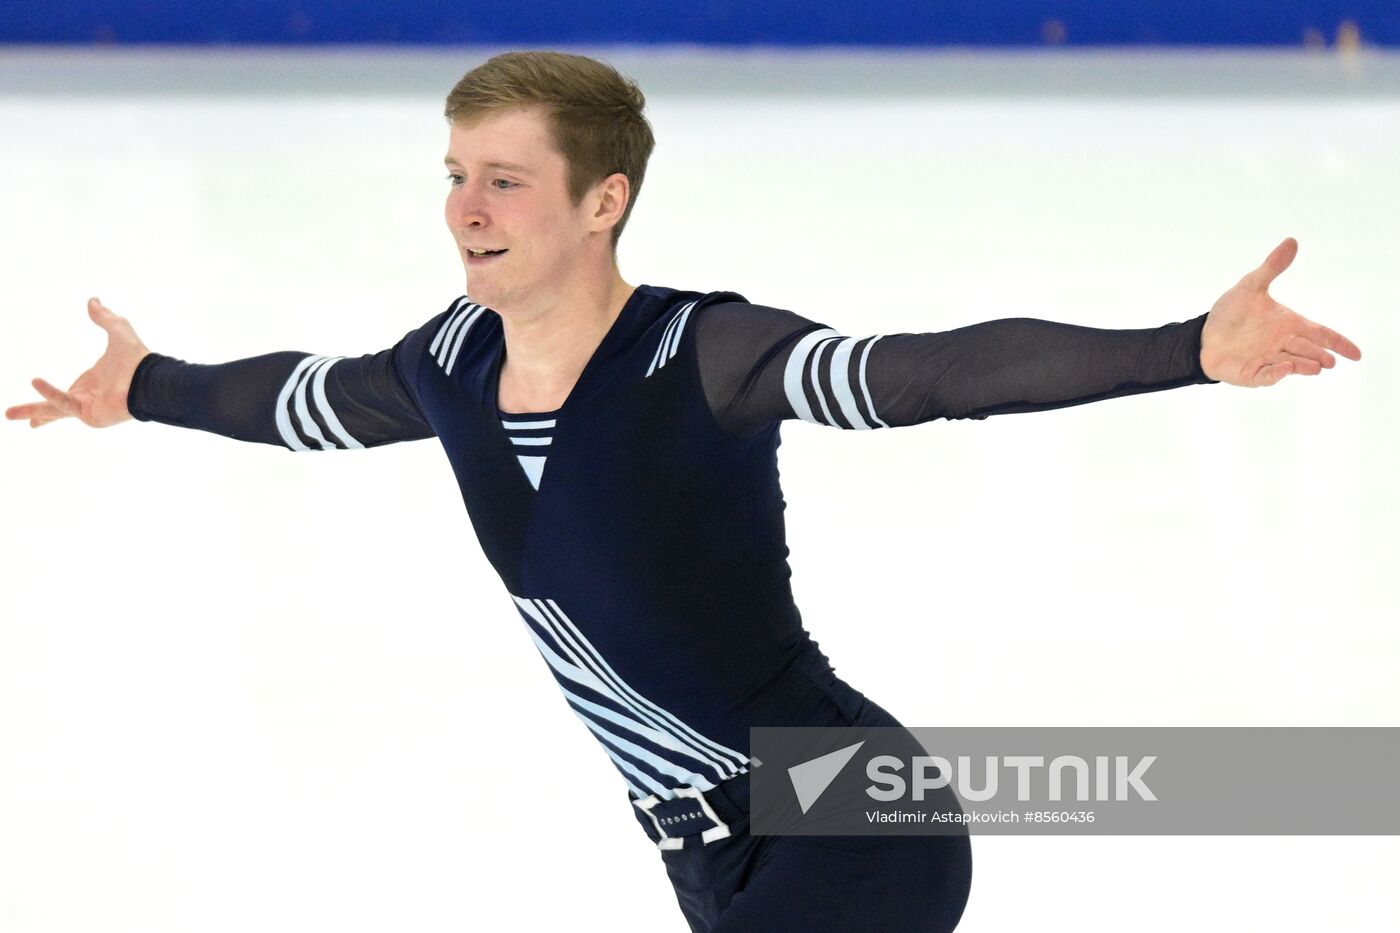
x,y
719,831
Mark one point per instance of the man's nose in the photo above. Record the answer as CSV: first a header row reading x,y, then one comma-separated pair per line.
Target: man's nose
x,y
467,207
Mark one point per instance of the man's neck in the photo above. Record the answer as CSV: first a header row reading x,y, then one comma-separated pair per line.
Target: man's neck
x,y
547,349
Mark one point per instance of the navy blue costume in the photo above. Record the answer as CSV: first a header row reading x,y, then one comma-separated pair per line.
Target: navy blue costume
x,y
639,531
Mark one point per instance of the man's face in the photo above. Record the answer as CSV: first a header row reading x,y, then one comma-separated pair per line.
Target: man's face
x,y
508,190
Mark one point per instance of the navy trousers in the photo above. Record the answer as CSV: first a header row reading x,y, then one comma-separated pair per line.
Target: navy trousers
x,y
814,884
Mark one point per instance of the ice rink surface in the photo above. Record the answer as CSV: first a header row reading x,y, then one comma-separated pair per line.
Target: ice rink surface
x,y
247,690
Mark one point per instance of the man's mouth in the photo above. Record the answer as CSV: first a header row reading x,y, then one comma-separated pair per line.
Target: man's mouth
x,y
485,252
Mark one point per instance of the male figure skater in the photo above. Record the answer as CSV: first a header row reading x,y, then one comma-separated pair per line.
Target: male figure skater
x,y
616,450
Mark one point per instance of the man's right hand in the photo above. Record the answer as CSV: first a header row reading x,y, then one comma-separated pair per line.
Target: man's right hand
x,y
98,397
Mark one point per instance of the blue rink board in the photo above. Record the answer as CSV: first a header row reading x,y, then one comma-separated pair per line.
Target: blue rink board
x,y
712,22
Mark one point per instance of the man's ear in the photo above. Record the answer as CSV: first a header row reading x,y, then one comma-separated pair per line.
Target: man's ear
x,y
610,197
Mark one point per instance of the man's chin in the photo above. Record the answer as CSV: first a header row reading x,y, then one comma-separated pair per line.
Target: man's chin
x,y
478,289
487,294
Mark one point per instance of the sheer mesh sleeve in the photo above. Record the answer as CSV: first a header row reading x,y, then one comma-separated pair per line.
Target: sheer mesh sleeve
x,y
293,399
760,365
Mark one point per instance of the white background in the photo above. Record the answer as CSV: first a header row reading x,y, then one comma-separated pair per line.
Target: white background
x,y
244,689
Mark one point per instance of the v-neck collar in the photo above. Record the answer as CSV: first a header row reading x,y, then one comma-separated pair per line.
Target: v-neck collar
x,y
609,338
602,351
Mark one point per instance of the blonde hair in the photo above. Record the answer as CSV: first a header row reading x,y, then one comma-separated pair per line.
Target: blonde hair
x,y
595,114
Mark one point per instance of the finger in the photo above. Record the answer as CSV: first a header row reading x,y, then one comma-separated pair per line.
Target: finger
x,y
102,315
40,422
1302,365
60,399
1300,346
33,410
1329,338
1272,373
1281,258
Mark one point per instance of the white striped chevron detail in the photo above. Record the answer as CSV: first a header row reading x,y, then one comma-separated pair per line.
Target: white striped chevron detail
x,y
453,332
530,435
653,749
304,393
670,338
825,380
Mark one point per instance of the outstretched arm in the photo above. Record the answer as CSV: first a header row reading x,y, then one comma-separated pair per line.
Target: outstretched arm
x,y
760,365
297,400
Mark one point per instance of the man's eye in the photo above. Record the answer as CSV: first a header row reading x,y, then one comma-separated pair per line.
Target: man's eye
x,y
505,183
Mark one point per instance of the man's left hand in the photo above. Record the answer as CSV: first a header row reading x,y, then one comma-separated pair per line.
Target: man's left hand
x,y
1251,340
